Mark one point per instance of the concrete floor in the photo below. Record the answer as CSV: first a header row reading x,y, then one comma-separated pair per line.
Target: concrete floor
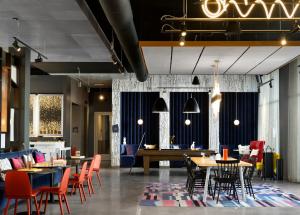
x,y
120,195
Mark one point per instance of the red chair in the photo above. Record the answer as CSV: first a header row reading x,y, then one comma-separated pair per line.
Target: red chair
x,y
77,182
89,177
59,191
255,144
17,186
97,166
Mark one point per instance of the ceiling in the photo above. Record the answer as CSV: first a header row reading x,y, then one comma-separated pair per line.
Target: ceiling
x,y
233,59
57,28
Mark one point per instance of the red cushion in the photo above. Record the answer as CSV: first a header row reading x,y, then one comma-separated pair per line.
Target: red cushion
x,y
39,157
17,163
260,146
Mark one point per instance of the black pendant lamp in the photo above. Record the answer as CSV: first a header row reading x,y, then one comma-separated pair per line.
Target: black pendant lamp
x,y
159,106
191,106
195,81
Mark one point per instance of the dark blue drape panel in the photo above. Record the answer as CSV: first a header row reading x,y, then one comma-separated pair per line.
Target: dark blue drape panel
x,y
198,130
247,113
131,112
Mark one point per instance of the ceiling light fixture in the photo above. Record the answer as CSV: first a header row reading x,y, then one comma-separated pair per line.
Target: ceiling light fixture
x,y
101,97
140,120
39,59
183,33
16,46
182,41
191,106
283,41
159,106
216,97
195,81
236,122
187,122
114,60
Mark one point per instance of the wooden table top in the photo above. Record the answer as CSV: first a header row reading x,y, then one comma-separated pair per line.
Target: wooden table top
x,y
208,162
172,152
48,165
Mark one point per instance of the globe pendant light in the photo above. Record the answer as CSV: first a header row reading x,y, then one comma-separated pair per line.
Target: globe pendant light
x,y
195,81
187,122
159,106
191,106
236,122
140,120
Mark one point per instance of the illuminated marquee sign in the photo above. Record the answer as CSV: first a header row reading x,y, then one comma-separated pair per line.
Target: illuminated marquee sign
x,y
222,6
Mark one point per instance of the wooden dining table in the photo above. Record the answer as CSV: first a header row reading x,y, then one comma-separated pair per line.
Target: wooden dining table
x,y
209,162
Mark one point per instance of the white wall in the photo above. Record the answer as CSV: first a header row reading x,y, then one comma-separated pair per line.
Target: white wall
x,y
268,112
173,83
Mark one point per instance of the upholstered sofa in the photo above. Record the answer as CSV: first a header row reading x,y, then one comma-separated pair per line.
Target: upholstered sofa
x,y
38,180
128,154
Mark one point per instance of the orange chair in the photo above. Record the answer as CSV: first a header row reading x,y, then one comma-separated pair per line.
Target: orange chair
x,y
17,186
78,182
60,191
97,166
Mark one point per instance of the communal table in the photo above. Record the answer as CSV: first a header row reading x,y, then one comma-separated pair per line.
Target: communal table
x,y
38,171
208,163
168,154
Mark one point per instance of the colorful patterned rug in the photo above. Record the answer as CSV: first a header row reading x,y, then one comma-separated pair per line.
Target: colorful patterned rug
x,y
176,195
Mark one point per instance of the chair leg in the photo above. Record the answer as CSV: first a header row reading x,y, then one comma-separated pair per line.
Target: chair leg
x,y
99,178
92,187
81,185
60,205
80,193
41,200
37,208
46,202
219,193
28,207
6,207
215,188
89,187
67,203
16,206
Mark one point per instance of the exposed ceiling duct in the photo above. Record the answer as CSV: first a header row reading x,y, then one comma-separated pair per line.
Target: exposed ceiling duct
x,y
119,15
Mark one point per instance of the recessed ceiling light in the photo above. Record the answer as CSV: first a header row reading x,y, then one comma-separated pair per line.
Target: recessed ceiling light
x,y
283,41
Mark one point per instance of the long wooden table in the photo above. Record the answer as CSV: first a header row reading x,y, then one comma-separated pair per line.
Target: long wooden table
x,y
167,154
208,163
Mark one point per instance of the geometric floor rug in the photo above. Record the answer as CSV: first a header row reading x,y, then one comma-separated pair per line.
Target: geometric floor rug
x,y
176,195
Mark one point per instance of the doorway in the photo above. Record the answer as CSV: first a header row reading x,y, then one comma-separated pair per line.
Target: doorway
x,y
102,134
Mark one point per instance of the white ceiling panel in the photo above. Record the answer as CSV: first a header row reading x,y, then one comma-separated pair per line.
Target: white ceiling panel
x,y
184,59
226,55
57,28
281,57
251,58
157,59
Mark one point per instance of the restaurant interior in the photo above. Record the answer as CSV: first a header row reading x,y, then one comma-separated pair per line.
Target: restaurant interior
x,y
144,107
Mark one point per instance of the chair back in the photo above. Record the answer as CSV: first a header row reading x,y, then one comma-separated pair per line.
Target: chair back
x,y
188,163
17,184
228,169
91,168
255,144
83,172
97,163
65,181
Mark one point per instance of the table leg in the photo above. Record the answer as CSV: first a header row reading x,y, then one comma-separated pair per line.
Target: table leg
x,y
31,203
242,183
51,185
146,165
206,184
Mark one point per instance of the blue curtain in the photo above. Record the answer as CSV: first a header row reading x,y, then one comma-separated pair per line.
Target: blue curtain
x,y
246,105
135,105
198,130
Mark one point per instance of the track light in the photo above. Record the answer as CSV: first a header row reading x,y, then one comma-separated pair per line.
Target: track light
x,y
16,46
196,81
39,59
182,41
270,84
183,33
114,60
283,41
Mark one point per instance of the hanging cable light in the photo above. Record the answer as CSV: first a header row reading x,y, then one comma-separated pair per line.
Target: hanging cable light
x,y
216,97
191,106
140,120
236,122
187,122
195,81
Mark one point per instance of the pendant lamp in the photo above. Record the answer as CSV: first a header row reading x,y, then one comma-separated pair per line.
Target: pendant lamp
x,y
195,81
191,106
236,122
140,120
159,106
